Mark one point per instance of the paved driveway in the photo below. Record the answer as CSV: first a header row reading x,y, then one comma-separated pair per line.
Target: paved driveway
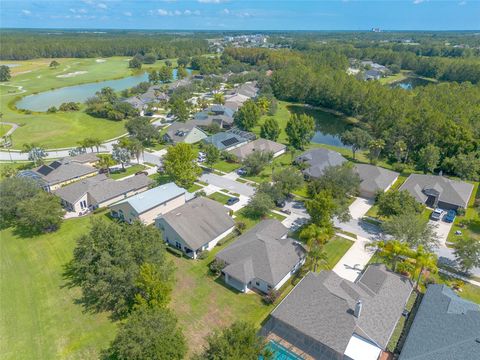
x,y
354,260
225,183
356,226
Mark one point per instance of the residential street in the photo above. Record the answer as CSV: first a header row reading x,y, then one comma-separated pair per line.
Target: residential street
x,y
225,183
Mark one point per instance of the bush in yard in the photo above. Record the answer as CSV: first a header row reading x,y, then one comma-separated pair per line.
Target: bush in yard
x,y
271,297
39,214
259,206
240,226
216,267
255,162
200,193
203,254
461,211
174,251
13,191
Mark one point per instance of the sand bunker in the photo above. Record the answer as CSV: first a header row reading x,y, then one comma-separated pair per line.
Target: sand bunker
x,y
72,74
100,60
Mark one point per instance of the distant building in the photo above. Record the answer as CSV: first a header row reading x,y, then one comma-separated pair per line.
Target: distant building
x,y
147,206
226,140
259,145
215,114
317,160
186,132
374,179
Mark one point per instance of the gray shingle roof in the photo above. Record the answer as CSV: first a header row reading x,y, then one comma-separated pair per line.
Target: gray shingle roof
x,y
318,160
446,327
451,191
101,188
262,253
83,158
199,221
63,170
225,140
177,128
374,178
257,145
321,306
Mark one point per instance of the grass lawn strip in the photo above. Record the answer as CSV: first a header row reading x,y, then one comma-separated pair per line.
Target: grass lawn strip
x,y
128,171
218,196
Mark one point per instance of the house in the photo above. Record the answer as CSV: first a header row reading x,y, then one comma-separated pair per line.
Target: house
x,y
216,114
235,101
374,179
438,191
196,226
327,317
372,75
62,172
149,204
226,140
317,160
186,132
262,145
262,258
445,327
99,191
248,89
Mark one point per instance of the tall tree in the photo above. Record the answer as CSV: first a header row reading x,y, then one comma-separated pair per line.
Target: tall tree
x,y
212,155
316,256
300,130
424,260
375,148
54,64
467,253
256,161
104,162
218,98
259,205
270,129
321,209
142,129
288,179
35,153
357,138
5,73
392,203
107,265
13,191
149,333
182,73
155,285
428,158
39,214
247,116
135,63
239,341
179,109
180,163
165,74
153,77
121,155
392,251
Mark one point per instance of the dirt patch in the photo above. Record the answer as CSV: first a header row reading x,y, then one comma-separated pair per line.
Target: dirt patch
x,y
100,60
72,74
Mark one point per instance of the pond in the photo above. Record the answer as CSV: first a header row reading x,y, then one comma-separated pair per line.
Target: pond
x,y
411,82
330,127
78,93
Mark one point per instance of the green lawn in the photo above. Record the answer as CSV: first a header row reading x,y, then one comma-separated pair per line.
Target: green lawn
x,y
194,188
335,249
39,319
469,224
61,129
221,198
4,128
226,166
128,171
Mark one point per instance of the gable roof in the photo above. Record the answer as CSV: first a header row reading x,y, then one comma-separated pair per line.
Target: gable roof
x,y
248,89
66,169
450,191
445,327
318,160
152,198
262,253
374,178
178,131
83,158
322,307
101,188
199,221
257,145
225,140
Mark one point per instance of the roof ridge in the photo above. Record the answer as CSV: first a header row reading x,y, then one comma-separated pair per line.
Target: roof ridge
x,y
444,347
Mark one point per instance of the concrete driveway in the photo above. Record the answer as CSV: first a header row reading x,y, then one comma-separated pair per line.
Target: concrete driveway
x,y
356,225
297,212
225,183
355,259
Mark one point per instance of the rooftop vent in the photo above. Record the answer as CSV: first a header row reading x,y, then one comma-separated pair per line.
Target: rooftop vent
x,y
358,309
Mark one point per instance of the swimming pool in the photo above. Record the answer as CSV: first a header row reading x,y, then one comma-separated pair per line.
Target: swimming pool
x,y
281,353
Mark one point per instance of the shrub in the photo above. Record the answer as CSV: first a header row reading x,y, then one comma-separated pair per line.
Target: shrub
x,y
200,193
460,211
216,267
271,297
203,254
174,251
240,226
399,167
52,109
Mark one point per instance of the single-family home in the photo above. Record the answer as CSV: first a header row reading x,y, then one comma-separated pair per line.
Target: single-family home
x,y
438,191
372,74
215,114
263,258
317,160
374,179
186,132
61,172
196,226
150,204
235,101
327,317
99,191
248,89
445,327
259,145
226,140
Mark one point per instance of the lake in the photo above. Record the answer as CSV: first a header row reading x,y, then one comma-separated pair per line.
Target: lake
x,y
329,127
411,82
78,93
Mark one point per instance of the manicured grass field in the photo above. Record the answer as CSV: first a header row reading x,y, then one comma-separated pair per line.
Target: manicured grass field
x,y
62,129
128,171
221,198
38,317
335,249
4,128
226,166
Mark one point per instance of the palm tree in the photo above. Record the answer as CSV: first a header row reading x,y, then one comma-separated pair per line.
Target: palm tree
x,y
136,148
392,251
424,261
104,162
218,98
315,235
316,256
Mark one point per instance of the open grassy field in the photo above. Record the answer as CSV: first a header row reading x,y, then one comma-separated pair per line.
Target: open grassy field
x,y
62,129
38,317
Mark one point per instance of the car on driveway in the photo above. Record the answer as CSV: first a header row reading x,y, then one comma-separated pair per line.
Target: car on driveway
x,y
232,200
241,172
280,203
436,214
450,216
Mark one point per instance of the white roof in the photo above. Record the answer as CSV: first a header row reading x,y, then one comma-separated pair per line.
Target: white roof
x,y
360,349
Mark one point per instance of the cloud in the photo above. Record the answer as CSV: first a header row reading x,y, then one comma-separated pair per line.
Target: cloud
x,y
226,11
416,2
461,3
26,12
211,1
102,6
127,13
78,11
163,12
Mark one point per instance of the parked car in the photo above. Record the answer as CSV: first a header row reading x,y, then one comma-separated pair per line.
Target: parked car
x,y
450,216
232,200
241,172
141,172
280,203
286,211
298,205
436,214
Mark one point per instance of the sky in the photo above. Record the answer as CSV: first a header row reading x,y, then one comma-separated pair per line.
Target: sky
x,y
242,14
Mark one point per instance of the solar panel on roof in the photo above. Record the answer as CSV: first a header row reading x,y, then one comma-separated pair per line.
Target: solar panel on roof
x,y
55,164
44,170
230,142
